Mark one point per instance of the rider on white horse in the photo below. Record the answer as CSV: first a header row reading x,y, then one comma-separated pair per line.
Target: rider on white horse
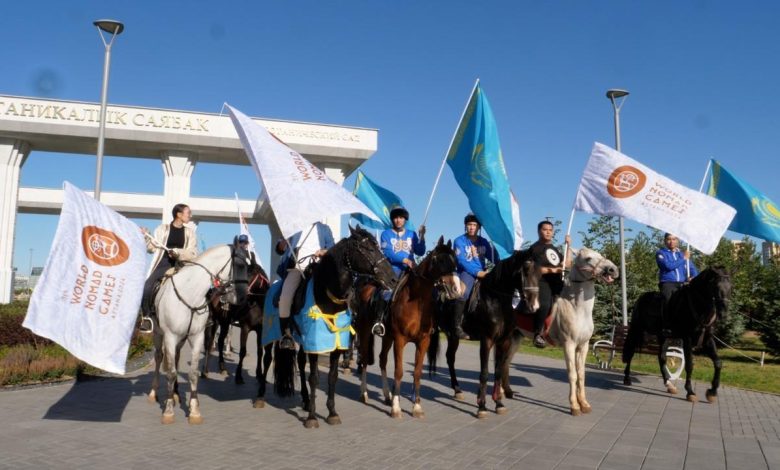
x,y
472,253
307,246
179,242
399,246
550,259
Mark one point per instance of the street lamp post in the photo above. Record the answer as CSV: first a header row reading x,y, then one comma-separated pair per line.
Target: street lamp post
x,y
615,96
114,28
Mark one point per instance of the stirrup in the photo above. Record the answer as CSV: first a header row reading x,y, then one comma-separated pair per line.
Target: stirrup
x,y
142,328
539,341
287,342
461,334
378,329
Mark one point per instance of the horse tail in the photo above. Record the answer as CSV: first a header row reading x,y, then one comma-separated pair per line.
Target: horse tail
x,y
636,334
433,351
284,371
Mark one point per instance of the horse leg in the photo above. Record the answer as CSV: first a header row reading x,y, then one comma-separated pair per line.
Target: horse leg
x,y
333,376
305,403
266,354
224,326
170,356
386,343
670,387
569,352
485,345
242,354
311,420
452,348
419,359
211,329
196,343
398,354
582,355
514,343
498,369
712,352
687,353
364,343
158,359
176,396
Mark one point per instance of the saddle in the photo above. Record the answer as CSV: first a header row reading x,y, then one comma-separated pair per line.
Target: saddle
x,y
474,297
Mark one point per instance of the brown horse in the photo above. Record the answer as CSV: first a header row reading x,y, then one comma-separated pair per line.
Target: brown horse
x,y
412,319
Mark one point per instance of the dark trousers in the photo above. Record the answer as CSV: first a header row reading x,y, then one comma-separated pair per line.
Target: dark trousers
x,y
147,301
548,292
669,288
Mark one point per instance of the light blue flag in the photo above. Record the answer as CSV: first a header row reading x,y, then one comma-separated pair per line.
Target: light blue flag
x,y
756,214
380,200
478,165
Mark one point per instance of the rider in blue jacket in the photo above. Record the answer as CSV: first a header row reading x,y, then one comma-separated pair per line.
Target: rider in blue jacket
x,y
472,253
399,246
673,267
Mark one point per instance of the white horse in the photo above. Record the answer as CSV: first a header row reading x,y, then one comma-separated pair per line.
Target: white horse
x,y
572,319
182,314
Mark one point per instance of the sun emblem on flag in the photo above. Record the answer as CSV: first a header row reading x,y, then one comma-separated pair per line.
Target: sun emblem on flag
x,y
767,211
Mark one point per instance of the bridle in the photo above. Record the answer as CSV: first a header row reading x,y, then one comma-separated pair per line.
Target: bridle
x,y
220,286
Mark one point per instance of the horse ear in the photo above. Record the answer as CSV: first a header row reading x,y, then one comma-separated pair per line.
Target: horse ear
x,y
441,241
449,243
351,230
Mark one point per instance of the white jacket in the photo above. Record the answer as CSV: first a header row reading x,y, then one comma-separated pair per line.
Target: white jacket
x,y
190,250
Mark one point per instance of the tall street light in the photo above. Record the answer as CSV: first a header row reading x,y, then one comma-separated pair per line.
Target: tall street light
x,y
114,28
617,97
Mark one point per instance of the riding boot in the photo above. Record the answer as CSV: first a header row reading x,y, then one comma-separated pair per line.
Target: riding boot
x,y
286,341
147,313
457,320
382,303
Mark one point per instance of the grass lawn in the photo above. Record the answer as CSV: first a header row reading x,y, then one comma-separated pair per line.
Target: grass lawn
x,y
737,370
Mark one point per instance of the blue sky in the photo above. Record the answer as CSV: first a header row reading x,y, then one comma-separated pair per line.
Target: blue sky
x,y
702,77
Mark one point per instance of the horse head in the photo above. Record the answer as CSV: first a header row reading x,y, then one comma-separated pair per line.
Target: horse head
x,y
237,286
525,278
717,281
441,265
589,265
363,256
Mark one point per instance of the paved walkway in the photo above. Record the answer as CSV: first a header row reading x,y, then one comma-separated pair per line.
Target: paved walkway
x,y
108,423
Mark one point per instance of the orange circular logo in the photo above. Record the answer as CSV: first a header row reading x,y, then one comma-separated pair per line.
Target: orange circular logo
x,y
625,181
103,246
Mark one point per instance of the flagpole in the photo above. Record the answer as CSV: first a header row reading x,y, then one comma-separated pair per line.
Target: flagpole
x,y
688,245
566,245
444,160
613,95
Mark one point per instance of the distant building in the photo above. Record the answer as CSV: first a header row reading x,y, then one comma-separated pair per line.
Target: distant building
x,y
35,274
770,251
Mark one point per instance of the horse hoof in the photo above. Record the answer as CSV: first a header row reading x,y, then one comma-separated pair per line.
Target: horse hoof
x,y
396,414
195,419
501,410
586,408
418,414
333,419
152,397
364,398
259,403
711,396
482,414
509,394
671,389
626,381
576,412
692,398
460,396
347,371
168,419
311,423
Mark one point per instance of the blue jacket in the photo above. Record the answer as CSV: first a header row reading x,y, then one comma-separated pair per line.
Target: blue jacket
x,y
400,246
672,266
464,252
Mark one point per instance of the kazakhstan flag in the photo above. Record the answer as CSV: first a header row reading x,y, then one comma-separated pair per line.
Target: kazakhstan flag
x,y
380,200
478,165
756,214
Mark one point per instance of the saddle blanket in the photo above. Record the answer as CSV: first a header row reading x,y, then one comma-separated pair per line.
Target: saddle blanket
x,y
525,322
320,333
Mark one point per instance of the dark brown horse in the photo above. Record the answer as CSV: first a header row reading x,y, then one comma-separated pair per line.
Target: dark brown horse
x,y
411,318
491,320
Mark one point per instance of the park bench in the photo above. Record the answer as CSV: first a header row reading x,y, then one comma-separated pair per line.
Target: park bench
x,y
604,351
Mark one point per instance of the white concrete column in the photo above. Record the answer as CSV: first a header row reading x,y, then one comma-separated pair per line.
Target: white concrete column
x,y
336,173
13,153
177,167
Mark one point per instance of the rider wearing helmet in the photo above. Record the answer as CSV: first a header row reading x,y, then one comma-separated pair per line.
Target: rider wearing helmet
x,y
472,253
399,246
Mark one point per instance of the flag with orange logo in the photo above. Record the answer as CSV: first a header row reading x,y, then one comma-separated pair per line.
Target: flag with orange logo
x,y
88,296
614,184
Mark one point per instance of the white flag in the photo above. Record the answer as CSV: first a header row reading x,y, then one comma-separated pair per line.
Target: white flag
x,y
614,184
244,230
300,194
88,296
518,229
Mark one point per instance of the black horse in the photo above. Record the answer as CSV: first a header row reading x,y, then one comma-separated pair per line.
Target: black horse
x,y
690,315
491,318
333,277
249,317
